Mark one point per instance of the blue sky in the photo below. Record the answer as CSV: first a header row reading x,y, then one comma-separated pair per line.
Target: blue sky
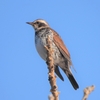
x,y
23,74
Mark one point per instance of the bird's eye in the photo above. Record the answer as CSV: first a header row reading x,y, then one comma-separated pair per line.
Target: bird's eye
x,y
37,22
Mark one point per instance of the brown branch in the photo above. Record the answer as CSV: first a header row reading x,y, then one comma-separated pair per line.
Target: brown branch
x,y
50,63
87,91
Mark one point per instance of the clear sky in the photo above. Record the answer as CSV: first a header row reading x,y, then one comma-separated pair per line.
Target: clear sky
x,y
23,74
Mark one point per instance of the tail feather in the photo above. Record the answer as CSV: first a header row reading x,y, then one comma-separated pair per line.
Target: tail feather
x,y
72,80
58,73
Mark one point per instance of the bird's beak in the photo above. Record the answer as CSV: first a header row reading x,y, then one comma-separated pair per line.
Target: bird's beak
x,y
30,23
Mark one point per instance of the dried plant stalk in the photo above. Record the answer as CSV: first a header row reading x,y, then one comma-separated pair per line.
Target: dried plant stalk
x,y
52,77
51,97
87,91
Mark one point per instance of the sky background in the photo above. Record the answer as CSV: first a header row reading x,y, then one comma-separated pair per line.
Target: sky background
x,y
23,74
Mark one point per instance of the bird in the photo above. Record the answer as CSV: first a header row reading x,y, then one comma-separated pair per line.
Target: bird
x,y
61,54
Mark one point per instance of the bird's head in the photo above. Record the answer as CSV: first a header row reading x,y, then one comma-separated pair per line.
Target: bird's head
x,y
38,24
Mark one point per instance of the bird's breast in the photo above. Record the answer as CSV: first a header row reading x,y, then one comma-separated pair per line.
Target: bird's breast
x,y
40,42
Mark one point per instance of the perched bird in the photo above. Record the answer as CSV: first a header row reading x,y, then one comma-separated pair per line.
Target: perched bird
x,y
61,55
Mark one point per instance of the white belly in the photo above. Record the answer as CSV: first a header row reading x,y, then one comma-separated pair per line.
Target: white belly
x,y
40,49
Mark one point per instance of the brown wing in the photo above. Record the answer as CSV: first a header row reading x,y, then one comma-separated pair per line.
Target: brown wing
x,y
61,46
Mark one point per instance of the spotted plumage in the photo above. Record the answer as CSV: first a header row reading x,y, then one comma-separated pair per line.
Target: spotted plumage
x,y
61,55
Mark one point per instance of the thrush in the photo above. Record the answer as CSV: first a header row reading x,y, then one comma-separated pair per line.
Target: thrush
x,y
61,54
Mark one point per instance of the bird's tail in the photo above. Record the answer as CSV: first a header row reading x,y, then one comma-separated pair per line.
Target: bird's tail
x,y
72,79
